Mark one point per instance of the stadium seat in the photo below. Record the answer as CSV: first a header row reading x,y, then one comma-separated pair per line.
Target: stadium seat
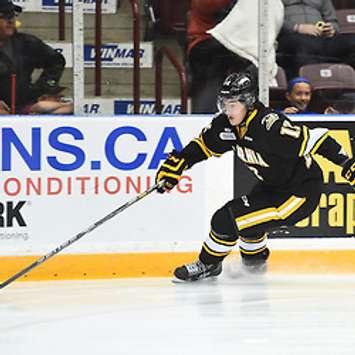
x,y
343,4
346,19
328,80
329,76
281,79
277,93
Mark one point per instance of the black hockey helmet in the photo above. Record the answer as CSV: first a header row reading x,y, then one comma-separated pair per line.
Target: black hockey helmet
x,y
242,87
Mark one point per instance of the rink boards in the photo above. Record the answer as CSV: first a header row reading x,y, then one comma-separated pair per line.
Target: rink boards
x,y
61,174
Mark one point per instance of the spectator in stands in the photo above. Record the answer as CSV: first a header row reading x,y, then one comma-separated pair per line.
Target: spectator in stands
x,y
4,108
20,54
53,104
310,34
343,104
222,39
208,59
298,95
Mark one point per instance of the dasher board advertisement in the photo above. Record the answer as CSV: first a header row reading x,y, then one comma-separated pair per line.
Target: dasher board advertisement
x,y
124,106
108,6
61,174
113,55
335,214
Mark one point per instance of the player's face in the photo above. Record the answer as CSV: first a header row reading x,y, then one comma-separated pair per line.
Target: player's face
x,y
235,110
300,96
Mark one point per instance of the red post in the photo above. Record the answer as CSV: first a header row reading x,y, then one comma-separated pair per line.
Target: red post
x,y
136,67
159,80
61,20
13,94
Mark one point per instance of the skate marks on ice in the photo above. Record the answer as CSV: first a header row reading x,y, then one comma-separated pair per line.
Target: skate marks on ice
x,y
285,314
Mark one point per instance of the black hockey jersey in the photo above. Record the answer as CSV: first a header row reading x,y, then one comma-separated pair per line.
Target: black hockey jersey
x,y
277,151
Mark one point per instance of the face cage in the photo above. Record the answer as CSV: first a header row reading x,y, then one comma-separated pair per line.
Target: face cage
x,y
247,99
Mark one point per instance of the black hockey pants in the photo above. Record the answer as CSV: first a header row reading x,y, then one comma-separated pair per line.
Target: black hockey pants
x,y
251,216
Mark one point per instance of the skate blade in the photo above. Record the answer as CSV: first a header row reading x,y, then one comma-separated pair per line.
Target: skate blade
x,y
175,280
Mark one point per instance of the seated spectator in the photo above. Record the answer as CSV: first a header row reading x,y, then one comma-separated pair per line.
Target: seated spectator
x,y
4,108
20,54
226,43
53,104
298,95
344,104
310,34
209,60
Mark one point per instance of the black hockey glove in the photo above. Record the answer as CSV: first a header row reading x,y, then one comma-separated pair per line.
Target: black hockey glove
x,y
348,171
170,171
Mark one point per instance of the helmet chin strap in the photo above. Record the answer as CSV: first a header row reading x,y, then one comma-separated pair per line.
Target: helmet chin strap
x,y
250,109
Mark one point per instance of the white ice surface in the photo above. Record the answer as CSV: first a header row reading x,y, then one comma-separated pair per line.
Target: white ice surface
x,y
272,315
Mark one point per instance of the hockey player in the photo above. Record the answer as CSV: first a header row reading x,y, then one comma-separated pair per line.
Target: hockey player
x,y
278,152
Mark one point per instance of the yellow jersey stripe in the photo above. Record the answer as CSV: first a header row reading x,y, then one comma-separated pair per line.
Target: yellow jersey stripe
x,y
250,117
163,174
305,141
209,150
242,129
174,167
270,213
202,147
252,252
287,209
211,252
221,241
319,143
254,240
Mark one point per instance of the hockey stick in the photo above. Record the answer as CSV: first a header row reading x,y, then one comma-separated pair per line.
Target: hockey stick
x,y
80,235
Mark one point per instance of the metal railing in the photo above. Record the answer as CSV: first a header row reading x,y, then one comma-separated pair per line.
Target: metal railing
x,y
159,55
98,45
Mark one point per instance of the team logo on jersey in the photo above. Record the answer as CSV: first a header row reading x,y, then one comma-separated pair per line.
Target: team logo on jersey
x,y
249,156
269,120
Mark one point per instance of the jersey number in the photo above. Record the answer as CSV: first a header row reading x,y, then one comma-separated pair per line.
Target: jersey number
x,y
288,129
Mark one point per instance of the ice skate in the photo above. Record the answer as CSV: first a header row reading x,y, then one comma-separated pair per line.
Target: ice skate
x,y
249,265
196,271
255,264
259,268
